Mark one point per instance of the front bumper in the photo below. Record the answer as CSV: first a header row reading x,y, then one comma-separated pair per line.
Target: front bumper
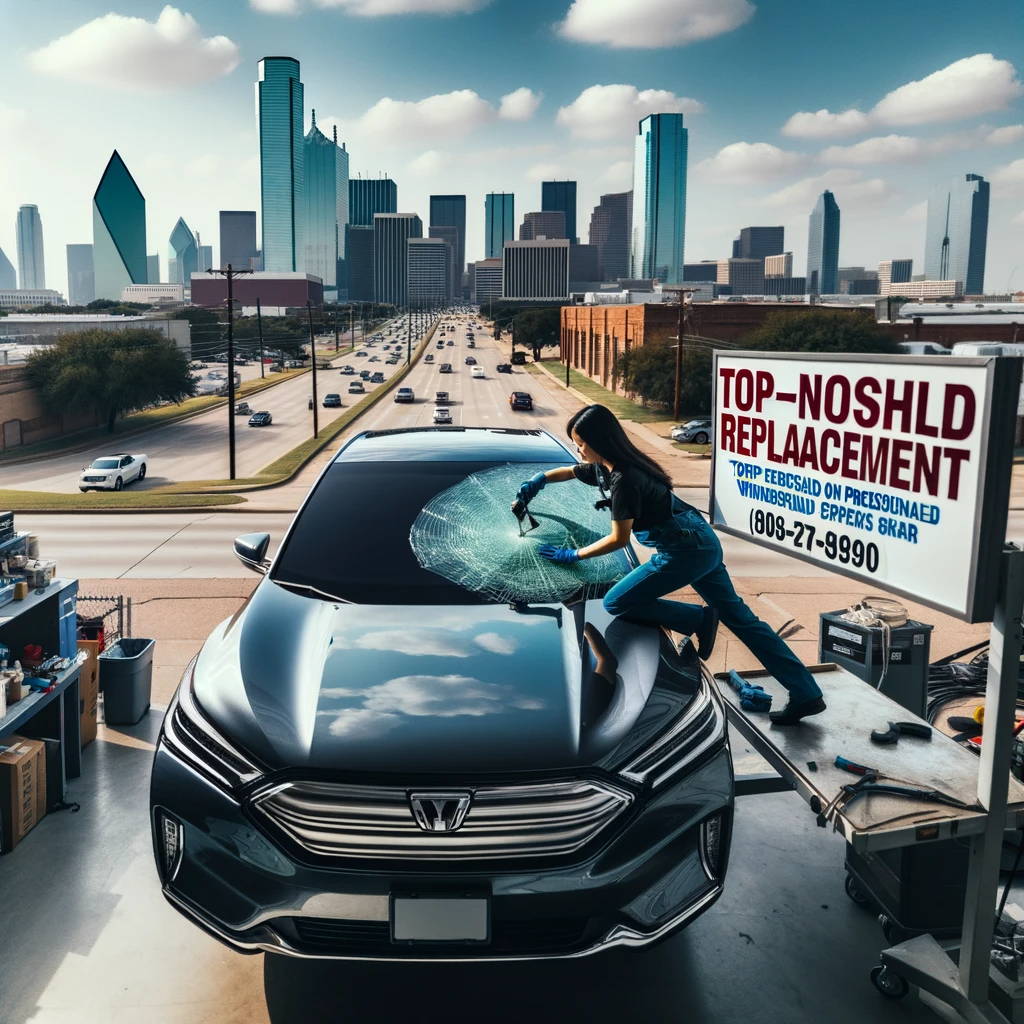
x,y
97,485
646,879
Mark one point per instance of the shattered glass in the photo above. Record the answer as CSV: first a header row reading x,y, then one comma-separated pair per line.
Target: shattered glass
x,y
469,535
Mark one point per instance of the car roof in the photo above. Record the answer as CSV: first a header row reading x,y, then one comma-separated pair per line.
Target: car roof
x,y
460,444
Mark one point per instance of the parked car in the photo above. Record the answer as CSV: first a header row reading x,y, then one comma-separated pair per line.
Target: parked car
x,y
260,419
332,401
445,368
521,400
112,472
405,395
377,378
518,358
243,409
441,398
504,367
296,796
694,432
442,415
355,387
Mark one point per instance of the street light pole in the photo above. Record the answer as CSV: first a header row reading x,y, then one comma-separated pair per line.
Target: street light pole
x,y
408,339
312,356
259,327
230,273
683,292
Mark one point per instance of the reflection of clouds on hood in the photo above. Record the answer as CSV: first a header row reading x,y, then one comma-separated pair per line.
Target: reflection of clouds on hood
x,y
457,620
422,696
496,644
361,723
407,641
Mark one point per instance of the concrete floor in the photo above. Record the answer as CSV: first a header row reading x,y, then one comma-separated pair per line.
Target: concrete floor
x,y
88,939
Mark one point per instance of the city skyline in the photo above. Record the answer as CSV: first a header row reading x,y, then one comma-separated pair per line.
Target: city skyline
x,y
868,130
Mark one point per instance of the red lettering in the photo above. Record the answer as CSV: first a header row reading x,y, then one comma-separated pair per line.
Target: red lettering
x,y
841,384
726,373
810,396
899,462
728,431
923,428
742,430
791,452
902,405
873,463
808,452
869,416
764,387
949,431
744,389
829,437
926,469
760,434
956,456
773,455
850,454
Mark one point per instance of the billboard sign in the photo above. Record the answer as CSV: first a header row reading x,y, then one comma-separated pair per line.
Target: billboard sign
x,y
894,470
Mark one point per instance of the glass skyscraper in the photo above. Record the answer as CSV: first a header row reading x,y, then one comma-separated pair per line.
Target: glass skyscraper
x,y
499,222
182,255
561,195
238,238
609,231
8,276
823,247
153,268
359,262
326,174
31,273
659,198
279,111
450,212
956,235
118,231
391,234
81,283
370,196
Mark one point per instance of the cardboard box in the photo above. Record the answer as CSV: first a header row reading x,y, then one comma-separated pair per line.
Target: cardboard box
x,y
22,788
89,689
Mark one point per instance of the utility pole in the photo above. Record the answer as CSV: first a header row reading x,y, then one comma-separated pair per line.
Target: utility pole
x,y
259,327
312,356
230,273
683,292
335,328
408,339
352,324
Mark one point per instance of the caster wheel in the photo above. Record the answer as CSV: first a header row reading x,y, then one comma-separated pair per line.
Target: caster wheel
x,y
891,930
854,893
890,984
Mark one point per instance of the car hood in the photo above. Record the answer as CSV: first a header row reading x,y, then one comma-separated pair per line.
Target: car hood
x,y
308,683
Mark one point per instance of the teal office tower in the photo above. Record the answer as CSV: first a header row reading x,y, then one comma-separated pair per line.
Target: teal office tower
x,y
118,231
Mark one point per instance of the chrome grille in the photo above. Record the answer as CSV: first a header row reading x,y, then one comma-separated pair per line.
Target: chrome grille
x,y
376,822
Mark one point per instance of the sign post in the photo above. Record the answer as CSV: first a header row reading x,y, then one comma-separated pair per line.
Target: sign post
x,y
893,470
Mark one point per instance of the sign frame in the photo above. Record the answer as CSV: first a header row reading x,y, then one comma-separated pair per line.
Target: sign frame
x,y
991,500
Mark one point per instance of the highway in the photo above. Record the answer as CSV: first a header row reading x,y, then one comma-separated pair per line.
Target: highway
x,y
197,448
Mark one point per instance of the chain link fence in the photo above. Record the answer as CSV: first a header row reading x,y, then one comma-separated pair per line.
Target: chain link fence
x,y
110,617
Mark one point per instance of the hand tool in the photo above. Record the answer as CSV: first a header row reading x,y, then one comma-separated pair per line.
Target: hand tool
x,y
522,512
752,697
853,768
898,729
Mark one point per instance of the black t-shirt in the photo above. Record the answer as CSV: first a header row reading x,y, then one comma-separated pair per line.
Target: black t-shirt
x,y
635,494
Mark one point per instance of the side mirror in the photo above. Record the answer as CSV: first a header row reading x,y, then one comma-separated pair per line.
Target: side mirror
x,y
251,551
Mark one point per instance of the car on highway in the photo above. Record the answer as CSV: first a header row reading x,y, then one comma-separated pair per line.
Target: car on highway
x,y
112,472
442,415
393,361
445,368
347,370
470,343
374,359
478,372
365,374
694,432
405,395
355,387
361,353
377,378
260,419
520,400
429,357
504,367
332,401
471,360
450,342
441,398
243,409
370,761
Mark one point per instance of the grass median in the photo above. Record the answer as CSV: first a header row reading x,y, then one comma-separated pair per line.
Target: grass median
x,y
44,501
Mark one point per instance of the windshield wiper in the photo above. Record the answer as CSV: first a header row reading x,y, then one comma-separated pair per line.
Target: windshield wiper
x,y
313,590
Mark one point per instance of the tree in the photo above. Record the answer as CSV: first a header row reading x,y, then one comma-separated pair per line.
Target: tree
x,y
819,330
110,372
650,372
535,328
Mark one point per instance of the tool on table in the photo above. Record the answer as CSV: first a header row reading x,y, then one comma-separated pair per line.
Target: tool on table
x,y
752,696
522,512
853,768
898,729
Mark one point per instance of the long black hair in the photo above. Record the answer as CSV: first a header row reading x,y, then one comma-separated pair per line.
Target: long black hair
x,y
598,426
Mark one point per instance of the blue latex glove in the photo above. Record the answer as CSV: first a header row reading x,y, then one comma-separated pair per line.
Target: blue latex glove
x,y
563,556
532,487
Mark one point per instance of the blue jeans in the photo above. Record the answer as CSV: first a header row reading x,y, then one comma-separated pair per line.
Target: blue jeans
x,y
688,553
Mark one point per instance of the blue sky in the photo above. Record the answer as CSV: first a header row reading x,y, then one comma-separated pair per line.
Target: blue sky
x,y
172,90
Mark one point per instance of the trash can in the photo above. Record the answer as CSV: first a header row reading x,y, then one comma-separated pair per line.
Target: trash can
x,y
126,680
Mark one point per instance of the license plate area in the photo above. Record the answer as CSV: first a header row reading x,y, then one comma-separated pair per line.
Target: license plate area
x,y
440,919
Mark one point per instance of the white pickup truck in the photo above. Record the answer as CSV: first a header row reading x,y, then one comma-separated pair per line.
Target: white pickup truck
x,y
112,472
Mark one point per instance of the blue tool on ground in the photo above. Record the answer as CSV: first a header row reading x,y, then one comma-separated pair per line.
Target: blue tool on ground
x,y
752,697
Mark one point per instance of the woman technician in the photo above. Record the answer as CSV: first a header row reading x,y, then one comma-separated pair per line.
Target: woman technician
x,y
687,553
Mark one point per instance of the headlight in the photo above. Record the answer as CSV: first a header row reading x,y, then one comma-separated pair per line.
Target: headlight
x,y
194,739
169,844
697,729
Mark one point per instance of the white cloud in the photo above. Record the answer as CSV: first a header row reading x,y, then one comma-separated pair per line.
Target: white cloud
x,y
1005,136
611,111
884,149
1008,180
619,173
544,172
825,125
652,24
362,723
519,105
965,88
847,184
430,162
131,52
417,642
749,163
496,643
275,6
379,8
